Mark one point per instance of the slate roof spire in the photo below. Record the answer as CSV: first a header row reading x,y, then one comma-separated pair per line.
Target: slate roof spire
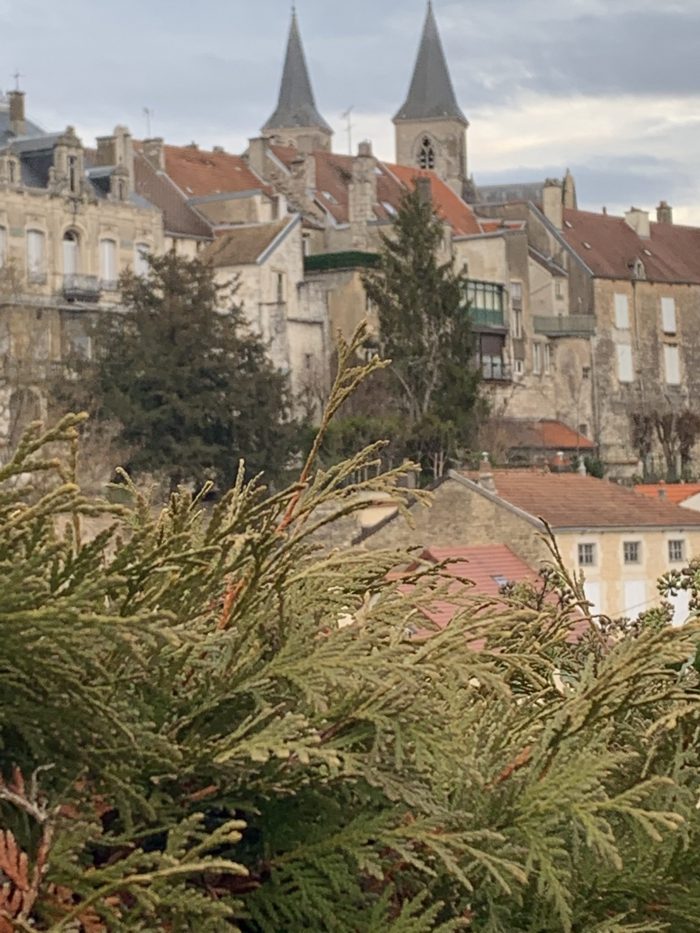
x,y
296,105
431,95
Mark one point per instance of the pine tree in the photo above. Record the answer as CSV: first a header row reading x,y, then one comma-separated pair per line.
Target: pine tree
x,y
190,386
424,327
206,724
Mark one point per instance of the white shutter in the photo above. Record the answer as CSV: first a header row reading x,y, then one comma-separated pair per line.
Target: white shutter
x,y
672,366
622,312
108,261
592,592
625,370
668,315
35,252
681,607
634,598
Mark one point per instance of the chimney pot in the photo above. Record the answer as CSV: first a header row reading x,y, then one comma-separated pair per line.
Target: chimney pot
x,y
664,213
638,220
365,148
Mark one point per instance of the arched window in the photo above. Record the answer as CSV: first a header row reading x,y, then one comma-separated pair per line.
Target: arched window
x,y
426,154
109,273
71,253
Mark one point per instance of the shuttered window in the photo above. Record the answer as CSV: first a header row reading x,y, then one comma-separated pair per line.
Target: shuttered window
x,y
672,365
668,315
625,370
622,312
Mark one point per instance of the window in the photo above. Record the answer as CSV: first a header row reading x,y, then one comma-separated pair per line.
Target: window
x,y
516,295
622,312
71,247
492,366
36,256
586,555
676,551
632,552
519,367
517,324
279,287
558,288
547,359
426,154
141,266
3,246
672,365
635,596
592,592
73,174
12,170
537,358
625,370
668,315
108,264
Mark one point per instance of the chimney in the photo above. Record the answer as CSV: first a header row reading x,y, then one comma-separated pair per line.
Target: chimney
x,y
553,202
257,156
106,151
662,492
425,189
664,213
218,149
486,480
154,151
18,125
638,220
362,191
304,172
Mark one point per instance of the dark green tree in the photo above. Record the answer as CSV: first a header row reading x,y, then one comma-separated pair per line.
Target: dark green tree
x,y
424,327
191,388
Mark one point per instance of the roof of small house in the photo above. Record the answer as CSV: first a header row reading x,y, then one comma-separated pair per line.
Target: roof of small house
x,y
669,492
543,434
244,244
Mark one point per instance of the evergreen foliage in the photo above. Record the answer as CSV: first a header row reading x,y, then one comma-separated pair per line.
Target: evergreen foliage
x,y
424,328
206,724
191,388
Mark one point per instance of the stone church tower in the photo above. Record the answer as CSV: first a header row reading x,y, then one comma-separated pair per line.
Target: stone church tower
x,y
296,121
431,130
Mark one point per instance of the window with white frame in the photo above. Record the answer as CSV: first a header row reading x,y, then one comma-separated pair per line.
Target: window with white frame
x,y
537,358
3,246
519,367
109,272
36,255
141,265
632,552
558,288
71,249
547,359
672,365
587,555
676,551
622,312
517,324
668,315
625,369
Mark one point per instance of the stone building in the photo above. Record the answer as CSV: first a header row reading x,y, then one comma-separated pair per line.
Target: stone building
x,y
70,222
621,541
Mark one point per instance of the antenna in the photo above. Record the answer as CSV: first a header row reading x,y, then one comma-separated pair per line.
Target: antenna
x,y
149,114
348,116
16,77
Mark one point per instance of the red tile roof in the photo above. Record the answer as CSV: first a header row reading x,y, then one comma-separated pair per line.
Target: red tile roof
x,y
199,173
334,174
545,434
567,500
669,492
179,219
609,247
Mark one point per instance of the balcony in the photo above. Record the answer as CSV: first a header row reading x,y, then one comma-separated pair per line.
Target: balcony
x,y
565,325
486,303
81,288
496,370
339,262
487,317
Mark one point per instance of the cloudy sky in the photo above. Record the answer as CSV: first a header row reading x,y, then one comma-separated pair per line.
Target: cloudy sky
x,y
608,88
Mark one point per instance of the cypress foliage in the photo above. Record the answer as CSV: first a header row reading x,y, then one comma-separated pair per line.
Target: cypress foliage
x,y
206,724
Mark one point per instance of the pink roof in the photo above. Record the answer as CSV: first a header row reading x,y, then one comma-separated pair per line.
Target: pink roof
x,y
669,492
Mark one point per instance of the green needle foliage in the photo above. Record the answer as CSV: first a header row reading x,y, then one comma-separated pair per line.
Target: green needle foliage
x,y
207,724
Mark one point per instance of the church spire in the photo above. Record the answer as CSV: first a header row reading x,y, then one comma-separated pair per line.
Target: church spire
x,y
431,95
296,107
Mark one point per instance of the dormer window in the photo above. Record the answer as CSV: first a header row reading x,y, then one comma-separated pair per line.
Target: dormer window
x,y
426,155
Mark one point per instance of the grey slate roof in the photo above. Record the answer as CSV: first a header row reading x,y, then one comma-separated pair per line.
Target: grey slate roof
x,y
502,194
431,95
5,135
296,105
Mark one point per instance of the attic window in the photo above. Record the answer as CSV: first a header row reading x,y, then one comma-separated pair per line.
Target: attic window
x,y
426,155
567,223
647,252
501,581
587,245
389,208
329,197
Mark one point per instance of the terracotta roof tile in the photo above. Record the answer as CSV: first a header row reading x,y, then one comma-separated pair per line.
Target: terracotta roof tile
x,y
179,218
567,500
669,492
448,205
609,247
545,434
199,173
243,245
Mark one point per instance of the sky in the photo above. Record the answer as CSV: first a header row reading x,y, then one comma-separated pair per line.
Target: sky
x,y
607,88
